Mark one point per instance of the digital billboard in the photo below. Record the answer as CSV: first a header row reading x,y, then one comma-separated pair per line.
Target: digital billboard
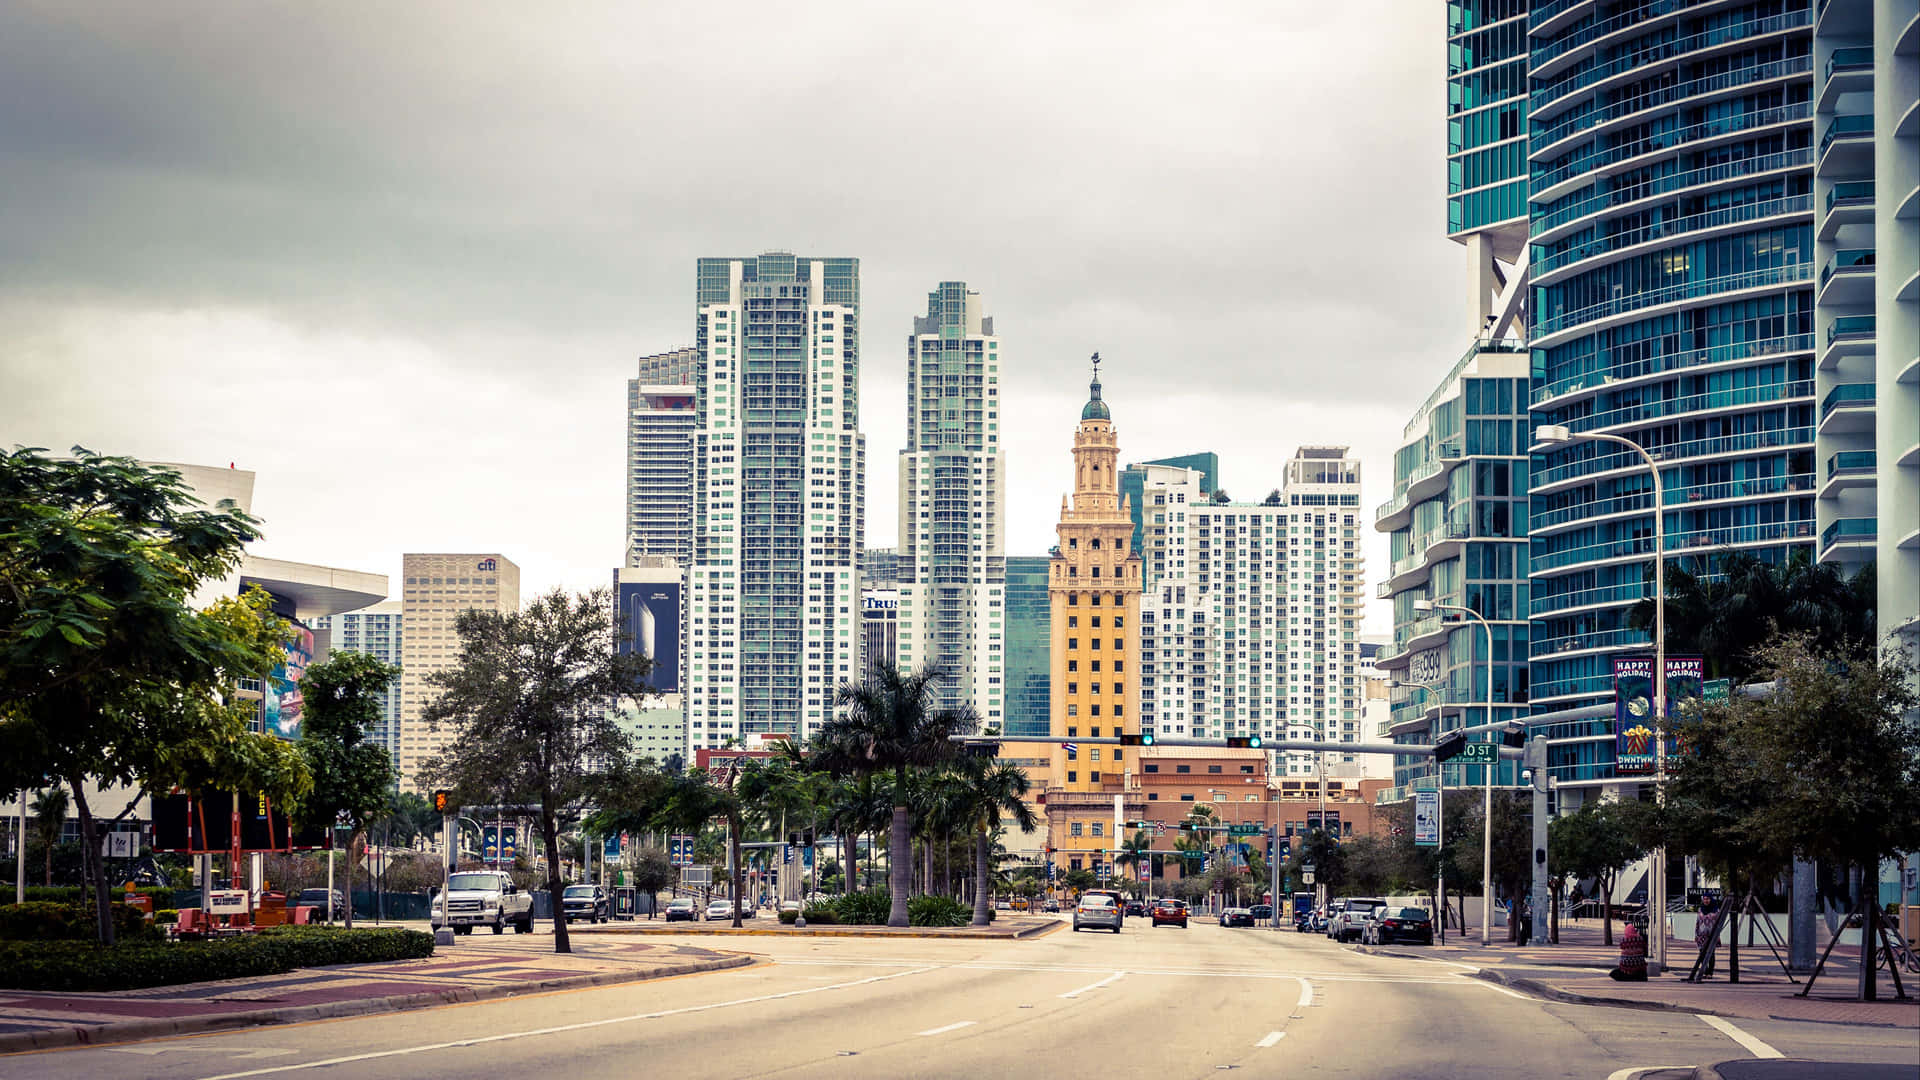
x,y
650,619
280,702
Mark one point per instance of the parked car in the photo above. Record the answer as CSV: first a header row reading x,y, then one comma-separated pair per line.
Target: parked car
x,y
1097,910
482,898
1136,907
1236,916
790,905
723,909
327,907
1262,914
1170,912
1386,925
585,903
1346,926
1051,906
683,909
1020,903
1329,912
1003,905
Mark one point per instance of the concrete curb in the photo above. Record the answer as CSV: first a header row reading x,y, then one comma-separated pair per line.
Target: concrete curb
x,y
155,1028
1568,997
835,931
1466,958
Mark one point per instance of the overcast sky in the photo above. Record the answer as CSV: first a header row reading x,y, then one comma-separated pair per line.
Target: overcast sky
x,y
399,258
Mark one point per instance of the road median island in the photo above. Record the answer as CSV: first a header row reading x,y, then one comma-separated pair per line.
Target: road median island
x,y
1005,930
44,1021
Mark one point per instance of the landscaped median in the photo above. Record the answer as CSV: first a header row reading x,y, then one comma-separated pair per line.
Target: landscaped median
x,y
89,967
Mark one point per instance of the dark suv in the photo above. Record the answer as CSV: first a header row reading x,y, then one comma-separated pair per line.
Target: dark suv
x,y
584,903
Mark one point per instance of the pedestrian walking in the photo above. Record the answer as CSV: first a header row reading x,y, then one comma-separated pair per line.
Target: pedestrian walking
x,y
1526,921
1705,930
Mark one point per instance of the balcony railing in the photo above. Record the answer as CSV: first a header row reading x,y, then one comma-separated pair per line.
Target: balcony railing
x,y
1852,462
1712,174
1581,78
1668,140
1846,395
1678,360
1852,125
1754,487
1850,531
1578,120
1595,30
1728,215
1850,193
1846,259
1685,290
1685,540
1609,460
1718,399
1851,326
1608,594
1854,59
1594,639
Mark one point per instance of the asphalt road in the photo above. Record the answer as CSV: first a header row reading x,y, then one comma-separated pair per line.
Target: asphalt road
x,y
1146,1002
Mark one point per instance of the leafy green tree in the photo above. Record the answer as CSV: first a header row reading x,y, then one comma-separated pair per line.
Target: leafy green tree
x,y
1732,603
410,818
531,708
1598,841
650,869
991,792
889,723
352,777
49,822
107,673
1370,865
688,801
1079,880
1329,859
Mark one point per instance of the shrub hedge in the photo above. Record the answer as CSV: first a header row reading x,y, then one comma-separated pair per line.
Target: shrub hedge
x,y
933,910
40,920
869,908
84,966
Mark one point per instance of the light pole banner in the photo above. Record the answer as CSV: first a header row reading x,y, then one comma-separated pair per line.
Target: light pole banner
x,y
1426,818
1633,714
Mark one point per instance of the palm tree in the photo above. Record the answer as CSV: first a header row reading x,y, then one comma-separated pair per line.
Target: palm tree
x,y
1134,852
49,820
889,723
990,791
1726,606
692,799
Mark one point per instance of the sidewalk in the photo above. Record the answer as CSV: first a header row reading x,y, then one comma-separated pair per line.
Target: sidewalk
x,y
476,969
1576,971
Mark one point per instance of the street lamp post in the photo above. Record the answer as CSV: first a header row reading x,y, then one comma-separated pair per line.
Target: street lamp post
x,y
1558,434
1486,851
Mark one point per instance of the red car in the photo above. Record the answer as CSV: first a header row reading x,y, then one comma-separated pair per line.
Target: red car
x,y
1172,912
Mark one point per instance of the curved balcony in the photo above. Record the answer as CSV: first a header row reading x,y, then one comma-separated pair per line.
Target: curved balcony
x,y
1847,279
1849,202
1550,15
1550,98
1588,642
1548,143
1642,501
1556,54
1578,686
1602,596
1850,469
1544,270
1650,367
1789,274
1849,538
1847,335
1846,147
1847,408
1606,461
1546,226
1640,547
1744,397
1620,158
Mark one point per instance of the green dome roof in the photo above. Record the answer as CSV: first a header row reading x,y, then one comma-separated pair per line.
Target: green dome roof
x,y
1095,408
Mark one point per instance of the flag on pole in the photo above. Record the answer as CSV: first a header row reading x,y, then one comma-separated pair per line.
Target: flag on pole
x,y
1072,749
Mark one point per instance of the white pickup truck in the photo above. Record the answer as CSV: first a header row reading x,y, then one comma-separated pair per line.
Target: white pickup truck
x,y
483,898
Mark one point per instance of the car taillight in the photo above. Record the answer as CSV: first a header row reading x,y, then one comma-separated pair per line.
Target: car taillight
x,y
1391,922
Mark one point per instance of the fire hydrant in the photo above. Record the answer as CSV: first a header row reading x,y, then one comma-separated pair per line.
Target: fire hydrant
x,y
1633,957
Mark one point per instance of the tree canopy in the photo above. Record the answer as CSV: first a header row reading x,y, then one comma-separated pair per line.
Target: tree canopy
x,y
1726,607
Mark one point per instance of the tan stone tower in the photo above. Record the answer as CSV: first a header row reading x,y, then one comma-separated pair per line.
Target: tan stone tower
x,y
1094,590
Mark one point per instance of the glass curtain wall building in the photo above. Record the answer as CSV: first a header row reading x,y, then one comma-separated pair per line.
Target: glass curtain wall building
x,y
779,496
1133,483
1029,634
1457,535
952,563
1670,151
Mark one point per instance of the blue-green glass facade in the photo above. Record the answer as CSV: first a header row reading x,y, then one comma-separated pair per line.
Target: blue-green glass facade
x,y
1029,646
1486,113
1133,481
1670,172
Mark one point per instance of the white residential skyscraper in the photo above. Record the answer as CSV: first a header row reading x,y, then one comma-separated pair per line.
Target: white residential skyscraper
x,y
377,632
779,497
661,420
1259,633
952,561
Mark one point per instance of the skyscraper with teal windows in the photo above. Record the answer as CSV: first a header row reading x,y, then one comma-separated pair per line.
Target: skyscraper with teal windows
x,y
1029,641
1670,170
1487,155
779,500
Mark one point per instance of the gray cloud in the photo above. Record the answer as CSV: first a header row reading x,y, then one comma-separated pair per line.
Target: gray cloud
x,y
358,238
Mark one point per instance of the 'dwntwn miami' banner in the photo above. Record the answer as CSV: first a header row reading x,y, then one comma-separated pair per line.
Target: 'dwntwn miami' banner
x,y
1633,719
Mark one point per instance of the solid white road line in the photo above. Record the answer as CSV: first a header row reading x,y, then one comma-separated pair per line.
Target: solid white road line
x,y
949,1027
1306,992
1498,989
1271,1038
1093,986
1749,1043
1634,1072
504,1036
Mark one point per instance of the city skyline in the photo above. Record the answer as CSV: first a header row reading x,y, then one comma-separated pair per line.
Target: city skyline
x,y
454,378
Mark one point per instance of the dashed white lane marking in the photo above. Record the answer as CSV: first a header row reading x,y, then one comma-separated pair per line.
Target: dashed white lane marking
x,y
1752,1045
504,1036
1306,993
1271,1038
949,1027
1093,986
